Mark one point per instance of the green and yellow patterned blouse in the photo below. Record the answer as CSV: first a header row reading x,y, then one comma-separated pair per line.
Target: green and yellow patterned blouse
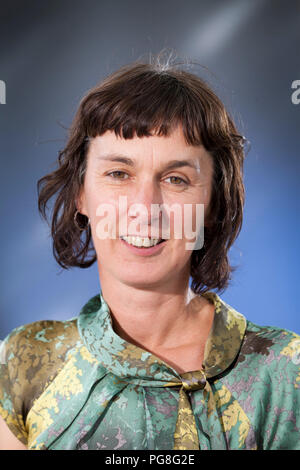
x,y
76,384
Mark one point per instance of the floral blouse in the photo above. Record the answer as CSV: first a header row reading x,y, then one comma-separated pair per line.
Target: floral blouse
x,y
76,384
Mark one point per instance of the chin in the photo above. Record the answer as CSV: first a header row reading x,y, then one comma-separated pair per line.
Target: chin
x,y
141,281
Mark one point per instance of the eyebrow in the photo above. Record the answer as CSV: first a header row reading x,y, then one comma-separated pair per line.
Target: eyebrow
x,y
171,165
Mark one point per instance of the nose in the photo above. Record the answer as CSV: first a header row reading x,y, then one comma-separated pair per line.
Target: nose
x,y
146,194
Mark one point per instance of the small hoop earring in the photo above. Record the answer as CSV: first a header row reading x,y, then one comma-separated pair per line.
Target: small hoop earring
x,y
77,224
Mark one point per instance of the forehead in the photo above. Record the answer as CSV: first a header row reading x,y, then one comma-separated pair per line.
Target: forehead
x,y
155,148
110,138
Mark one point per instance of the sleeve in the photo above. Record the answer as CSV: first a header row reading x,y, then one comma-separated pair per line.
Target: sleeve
x,y
282,425
10,386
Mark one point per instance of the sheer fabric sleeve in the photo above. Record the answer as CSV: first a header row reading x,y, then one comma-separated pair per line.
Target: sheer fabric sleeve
x,y
281,427
11,409
30,358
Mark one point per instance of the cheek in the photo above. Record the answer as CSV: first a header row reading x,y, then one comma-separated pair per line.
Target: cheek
x,y
98,197
103,213
192,220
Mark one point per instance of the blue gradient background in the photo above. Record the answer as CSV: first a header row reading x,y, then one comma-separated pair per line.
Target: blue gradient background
x,y
52,52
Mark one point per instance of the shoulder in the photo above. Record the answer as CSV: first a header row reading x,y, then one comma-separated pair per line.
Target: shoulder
x,y
273,340
273,352
40,335
38,343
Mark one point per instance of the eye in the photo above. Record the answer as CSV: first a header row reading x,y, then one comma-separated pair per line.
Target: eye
x,y
118,172
181,181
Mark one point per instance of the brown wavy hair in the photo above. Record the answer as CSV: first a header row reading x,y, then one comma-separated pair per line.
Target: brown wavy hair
x,y
141,98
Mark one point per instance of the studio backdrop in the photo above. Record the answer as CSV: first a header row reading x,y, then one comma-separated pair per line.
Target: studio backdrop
x,y
52,52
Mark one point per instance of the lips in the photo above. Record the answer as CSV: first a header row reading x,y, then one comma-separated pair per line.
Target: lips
x,y
142,242
145,251
140,236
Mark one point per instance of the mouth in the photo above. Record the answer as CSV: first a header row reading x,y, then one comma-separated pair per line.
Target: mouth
x,y
142,242
139,246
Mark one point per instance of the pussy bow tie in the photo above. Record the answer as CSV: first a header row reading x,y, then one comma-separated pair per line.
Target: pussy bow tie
x,y
186,435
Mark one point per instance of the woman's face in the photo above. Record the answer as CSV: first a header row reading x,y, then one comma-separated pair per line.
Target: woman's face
x,y
121,173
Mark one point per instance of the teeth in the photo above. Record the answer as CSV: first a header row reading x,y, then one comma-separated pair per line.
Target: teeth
x,y
138,241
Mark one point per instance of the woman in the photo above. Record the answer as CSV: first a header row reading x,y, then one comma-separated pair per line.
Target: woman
x,y
149,362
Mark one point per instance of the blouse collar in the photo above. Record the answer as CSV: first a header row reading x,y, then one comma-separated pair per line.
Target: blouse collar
x,y
128,361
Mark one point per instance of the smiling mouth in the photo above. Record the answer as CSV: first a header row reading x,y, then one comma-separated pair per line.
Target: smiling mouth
x,y
142,242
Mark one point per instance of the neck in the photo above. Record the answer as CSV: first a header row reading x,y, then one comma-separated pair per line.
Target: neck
x,y
159,318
